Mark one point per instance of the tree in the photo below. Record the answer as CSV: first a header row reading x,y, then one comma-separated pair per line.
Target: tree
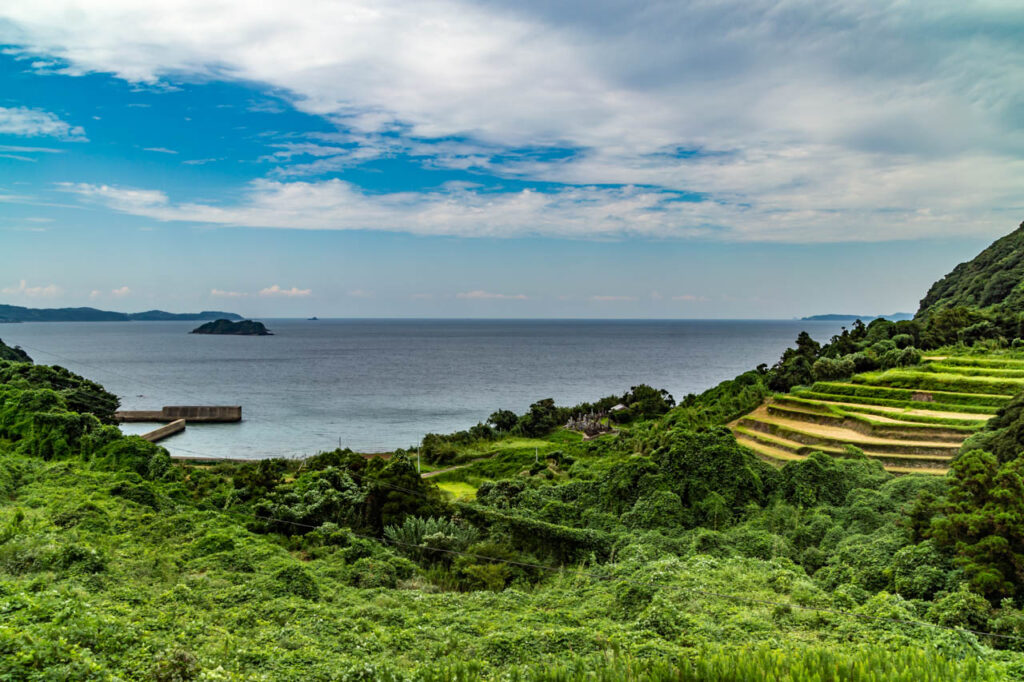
x,y
503,420
542,418
983,523
794,367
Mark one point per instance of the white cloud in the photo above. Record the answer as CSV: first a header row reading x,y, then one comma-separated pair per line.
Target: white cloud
x,y
159,150
479,294
612,299
337,205
227,294
26,122
28,150
881,121
121,292
276,290
23,289
95,293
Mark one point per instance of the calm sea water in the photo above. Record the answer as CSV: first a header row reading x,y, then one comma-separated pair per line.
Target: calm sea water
x,y
374,385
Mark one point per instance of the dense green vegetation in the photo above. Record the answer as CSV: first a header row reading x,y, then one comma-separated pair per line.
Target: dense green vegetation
x,y
657,549
664,551
242,328
992,279
15,354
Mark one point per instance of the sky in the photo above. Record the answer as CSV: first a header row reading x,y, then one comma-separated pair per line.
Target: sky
x,y
635,159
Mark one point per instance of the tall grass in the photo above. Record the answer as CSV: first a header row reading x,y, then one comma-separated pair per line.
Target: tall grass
x,y
936,381
746,664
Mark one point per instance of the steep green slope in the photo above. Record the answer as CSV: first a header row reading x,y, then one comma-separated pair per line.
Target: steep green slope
x,y
993,278
15,354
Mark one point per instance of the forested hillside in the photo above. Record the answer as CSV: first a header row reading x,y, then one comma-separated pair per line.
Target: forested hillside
x,y
992,279
644,542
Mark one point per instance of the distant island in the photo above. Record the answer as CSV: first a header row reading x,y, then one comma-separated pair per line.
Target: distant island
x,y
14,313
839,317
243,328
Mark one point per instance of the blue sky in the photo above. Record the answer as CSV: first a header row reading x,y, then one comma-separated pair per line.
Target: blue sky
x,y
492,159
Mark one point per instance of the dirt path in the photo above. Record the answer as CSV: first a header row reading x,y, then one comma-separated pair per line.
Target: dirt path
x,y
438,472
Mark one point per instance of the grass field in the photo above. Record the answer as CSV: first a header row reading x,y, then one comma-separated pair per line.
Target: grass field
x,y
458,491
911,420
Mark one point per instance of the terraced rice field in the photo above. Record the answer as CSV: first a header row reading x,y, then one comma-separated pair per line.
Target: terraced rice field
x,y
912,420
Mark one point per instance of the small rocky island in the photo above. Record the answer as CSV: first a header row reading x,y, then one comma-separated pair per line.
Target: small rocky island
x,y
243,328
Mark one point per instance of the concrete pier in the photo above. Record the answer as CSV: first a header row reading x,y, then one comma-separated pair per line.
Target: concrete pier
x,y
165,431
192,413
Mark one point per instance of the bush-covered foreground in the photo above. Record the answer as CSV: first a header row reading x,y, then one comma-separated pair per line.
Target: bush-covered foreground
x,y
663,551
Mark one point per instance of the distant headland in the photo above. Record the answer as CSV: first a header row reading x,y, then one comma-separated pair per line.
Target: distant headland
x,y
243,328
14,313
839,317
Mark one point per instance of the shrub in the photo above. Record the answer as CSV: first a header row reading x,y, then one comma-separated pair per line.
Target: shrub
x,y
296,580
825,369
961,608
660,508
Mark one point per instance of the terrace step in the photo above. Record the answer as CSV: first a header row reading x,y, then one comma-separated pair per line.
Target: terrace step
x,y
770,454
779,451
824,401
929,407
924,381
869,425
829,430
820,434
924,396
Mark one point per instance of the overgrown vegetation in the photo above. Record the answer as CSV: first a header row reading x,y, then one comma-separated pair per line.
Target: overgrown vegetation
x,y
661,551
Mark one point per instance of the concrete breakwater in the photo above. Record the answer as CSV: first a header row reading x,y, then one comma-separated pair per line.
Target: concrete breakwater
x,y
192,413
174,427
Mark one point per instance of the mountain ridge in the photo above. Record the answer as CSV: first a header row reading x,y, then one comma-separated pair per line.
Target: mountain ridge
x,y
14,313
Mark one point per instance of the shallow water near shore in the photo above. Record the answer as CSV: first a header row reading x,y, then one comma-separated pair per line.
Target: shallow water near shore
x,y
375,385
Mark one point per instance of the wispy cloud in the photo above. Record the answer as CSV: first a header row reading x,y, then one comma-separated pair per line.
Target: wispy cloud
x,y
479,294
691,298
360,293
276,290
160,150
221,293
28,150
612,299
337,205
121,292
23,289
911,129
26,122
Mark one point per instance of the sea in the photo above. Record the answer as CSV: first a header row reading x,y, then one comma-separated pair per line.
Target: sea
x,y
375,385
